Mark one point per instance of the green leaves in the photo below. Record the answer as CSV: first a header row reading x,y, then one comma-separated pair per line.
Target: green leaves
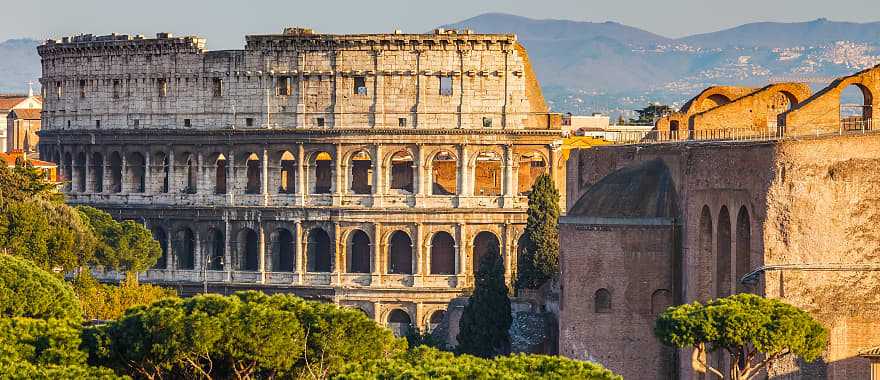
x,y
539,251
485,323
28,291
126,246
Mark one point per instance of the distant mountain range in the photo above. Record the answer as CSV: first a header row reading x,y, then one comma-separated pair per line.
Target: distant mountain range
x,y
610,67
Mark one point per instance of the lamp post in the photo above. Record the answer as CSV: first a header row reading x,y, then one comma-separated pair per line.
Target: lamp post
x,y
207,260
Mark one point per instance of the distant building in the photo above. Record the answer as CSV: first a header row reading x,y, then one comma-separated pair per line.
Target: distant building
x,y
598,126
572,124
17,157
9,103
21,130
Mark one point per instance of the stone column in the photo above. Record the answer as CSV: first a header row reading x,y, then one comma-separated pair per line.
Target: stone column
x,y
508,190
339,185
172,183
261,264
126,186
264,184
461,255
230,178
149,189
338,262
418,251
301,165
300,252
87,172
378,186
551,166
419,176
465,190
169,258
197,250
377,253
107,182
378,91
506,251
420,89
201,181
227,247
300,92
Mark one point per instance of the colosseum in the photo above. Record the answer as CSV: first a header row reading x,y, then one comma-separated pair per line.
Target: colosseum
x,y
367,170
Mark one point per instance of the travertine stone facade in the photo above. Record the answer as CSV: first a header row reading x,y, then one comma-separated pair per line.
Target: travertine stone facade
x,y
371,170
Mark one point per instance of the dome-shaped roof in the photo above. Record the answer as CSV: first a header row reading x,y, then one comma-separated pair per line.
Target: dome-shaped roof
x,y
645,190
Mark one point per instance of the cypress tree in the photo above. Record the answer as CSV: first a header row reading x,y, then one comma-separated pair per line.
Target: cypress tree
x,y
485,324
539,250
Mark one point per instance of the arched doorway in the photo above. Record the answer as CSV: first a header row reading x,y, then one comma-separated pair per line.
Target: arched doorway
x,y
248,250
162,237
400,252
115,172
704,254
220,174
254,180
444,174
323,179
442,253
487,174
216,249
856,111
135,170
318,255
484,243
97,172
185,249
361,173
743,248
283,251
399,322
436,319
359,252
531,166
287,174
402,172
723,258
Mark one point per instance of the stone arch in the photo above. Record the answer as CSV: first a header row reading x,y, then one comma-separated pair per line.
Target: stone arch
x,y
254,174
723,254
115,172
318,254
602,301
216,249
162,237
856,109
487,174
714,100
80,170
531,165
360,172
400,253
162,171
248,250
221,173
436,319
359,252
322,177
743,247
660,300
97,172
283,250
442,253
135,172
399,322
444,173
484,242
287,173
704,253
68,170
402,173
185,249
189,172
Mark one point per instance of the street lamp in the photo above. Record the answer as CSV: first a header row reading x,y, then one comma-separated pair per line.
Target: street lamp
x,y
207,260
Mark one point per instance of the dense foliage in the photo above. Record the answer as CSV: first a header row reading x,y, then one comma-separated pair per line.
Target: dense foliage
x,y
245,335
28,291
125,246
485,323
539,252
429,363
105,301
754,331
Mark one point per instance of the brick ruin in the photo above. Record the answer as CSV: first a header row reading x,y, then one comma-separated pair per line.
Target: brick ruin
x,y
367,170
789,215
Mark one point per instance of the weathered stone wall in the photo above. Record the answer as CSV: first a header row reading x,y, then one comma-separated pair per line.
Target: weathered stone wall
x,y
821,112
755,112
707,99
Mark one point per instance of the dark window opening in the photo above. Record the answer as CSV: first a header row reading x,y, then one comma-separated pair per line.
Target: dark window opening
x,y
82,88
446,85
359,252
187,123
319,121
323,173
442,253
318,254
602,301
401,122
249,249
361,173
249,122
400,250
115,89
185,249
217,87
282,86
253,175
487,122
282,251
162,87
220,176
287,176
360,85
402,172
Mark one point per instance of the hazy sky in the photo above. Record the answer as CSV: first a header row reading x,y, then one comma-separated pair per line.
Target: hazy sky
x,y
225,22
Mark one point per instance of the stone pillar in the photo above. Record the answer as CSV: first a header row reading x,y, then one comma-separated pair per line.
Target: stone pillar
x,y
551,166
464,104
461,255
507,54
107,177
301,164
172,179
169,263
420,90
509,187
377,253
149,189
261,264
197,250
339,185
126,186
419,174
201,181
506,251
378,91
264,172
338,249
300,92
231,189
378,186
87,172
418,251
300,252
465,190
227,247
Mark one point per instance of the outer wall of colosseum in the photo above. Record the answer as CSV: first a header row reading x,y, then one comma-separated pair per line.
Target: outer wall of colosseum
x,y
809,204
367,170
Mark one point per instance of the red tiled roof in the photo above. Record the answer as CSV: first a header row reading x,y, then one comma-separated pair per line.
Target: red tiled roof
x,y
9,101
27,113
9,159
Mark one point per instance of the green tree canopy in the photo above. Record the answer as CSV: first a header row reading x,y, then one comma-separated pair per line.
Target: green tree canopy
x,y
429,363
539,253
651,113
28,291
126,246
753,330
485,323
107,301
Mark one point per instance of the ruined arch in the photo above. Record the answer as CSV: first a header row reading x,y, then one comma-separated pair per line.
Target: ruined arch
x,y
254,174
487,174
723,257
714,100
115,172
399,322
485,242
318,253
189,172
162,237
743,247
660,300
602,301
856,111
248,250
704,254
444,173
436,319
185,249
287,174
68,170
216,249
322,162
402,172
360,172
359,252
400,253
442,253
135,171
97,172
283,250
531,166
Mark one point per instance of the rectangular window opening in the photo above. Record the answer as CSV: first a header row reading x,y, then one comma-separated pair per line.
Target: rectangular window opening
x,y
162,86
115,89
187,123
249,122
217,87
401,122
360,85
282,86
487,122
446,85
97,123
320,121
82,88
137,123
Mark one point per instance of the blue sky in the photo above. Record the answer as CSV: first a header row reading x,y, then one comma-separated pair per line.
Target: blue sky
x,y
225,22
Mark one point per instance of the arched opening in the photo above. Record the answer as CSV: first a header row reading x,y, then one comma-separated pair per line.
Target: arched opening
x,y
248,250
283,251
68,171
602,301
115,172
97,172
253,174
287,174
162,237
781,102
359,252
399,322
400,252
442,253
318,254
135,169
704,255
190,172
216,249
723,258
485,242
660,300
444,174
531,166
436,319
80,172
743,248
220,174
361,173
855,107
323,173
402,172
185,249
714,100
162,171
487,174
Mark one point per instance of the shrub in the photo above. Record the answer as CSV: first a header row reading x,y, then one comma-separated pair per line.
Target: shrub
x,y
28,291
105,302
